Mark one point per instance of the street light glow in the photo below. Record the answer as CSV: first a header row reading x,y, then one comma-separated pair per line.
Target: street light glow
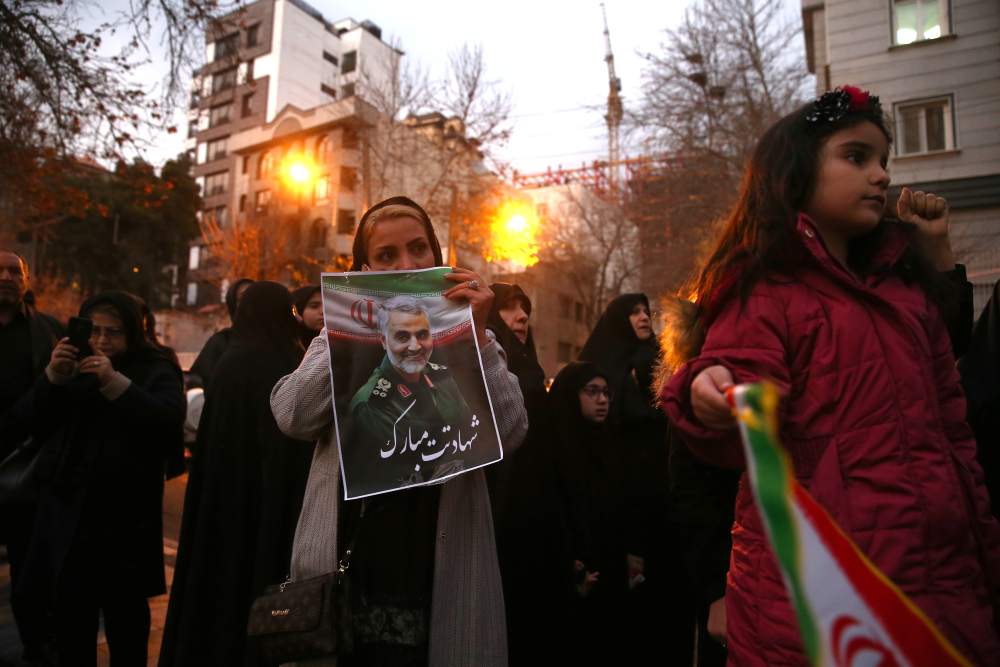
x,y
299,173
514,234
517,224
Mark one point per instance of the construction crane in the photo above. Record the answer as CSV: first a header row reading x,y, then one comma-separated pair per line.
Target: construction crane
x,y
615,111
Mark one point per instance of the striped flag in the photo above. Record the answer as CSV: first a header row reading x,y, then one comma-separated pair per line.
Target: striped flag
x,y
351,302
849,613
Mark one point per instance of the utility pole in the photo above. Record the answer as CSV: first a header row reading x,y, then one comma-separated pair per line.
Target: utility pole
x,y
615,112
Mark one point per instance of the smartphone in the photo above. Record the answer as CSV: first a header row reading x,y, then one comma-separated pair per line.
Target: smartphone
x,y
79,330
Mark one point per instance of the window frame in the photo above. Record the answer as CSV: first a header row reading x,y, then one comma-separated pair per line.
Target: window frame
x,y
211,156
214,121
349,61
950,129
946,24
224,76
214,178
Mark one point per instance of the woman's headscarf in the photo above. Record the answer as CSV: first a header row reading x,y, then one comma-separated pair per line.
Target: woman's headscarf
x,y
613,343
129,309
565,397
264,317
231,297
522,360
301,296
360,249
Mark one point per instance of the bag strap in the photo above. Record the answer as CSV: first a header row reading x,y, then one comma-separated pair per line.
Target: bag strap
x,y
344,563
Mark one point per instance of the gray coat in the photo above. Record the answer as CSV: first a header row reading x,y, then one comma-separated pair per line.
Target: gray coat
x,y
468,625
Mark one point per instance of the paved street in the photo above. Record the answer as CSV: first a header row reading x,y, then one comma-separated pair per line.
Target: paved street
x,y
173,502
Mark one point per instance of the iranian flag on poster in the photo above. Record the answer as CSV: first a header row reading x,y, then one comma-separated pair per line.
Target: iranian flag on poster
x,y
849,613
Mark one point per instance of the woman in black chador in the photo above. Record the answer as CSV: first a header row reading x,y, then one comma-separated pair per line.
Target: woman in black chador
x,y
624,347
203,368
244,493
588,501
980,371
107,417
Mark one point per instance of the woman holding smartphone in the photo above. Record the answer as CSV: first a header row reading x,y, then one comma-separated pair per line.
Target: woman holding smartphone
x,y
106,421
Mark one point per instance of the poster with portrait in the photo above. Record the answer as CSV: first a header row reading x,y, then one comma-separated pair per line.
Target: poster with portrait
x,y
411,405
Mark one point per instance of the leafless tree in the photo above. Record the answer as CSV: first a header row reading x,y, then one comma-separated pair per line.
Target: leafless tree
x,y
718,81
434,139
594,244
65,86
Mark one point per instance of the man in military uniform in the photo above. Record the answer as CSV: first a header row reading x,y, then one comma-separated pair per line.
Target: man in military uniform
x,y
409,419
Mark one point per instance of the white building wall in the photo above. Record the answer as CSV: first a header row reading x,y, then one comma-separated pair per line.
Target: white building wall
x,y
966,66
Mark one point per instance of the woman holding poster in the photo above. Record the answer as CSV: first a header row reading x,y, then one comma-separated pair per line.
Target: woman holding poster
x,y
424,566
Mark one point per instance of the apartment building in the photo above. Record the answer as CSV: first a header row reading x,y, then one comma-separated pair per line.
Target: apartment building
x,y
271,56
935,64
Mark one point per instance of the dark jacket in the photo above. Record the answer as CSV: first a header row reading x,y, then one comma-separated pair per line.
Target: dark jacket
x,y
103,475
881,342
980,371
44,331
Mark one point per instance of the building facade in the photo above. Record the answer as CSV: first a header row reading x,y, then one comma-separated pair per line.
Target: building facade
x,y
271,56
935,64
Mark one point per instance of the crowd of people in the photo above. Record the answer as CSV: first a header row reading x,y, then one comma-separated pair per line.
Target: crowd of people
x,y
618,528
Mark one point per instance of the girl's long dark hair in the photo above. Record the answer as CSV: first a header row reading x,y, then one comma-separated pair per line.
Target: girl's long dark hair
x,y
758,235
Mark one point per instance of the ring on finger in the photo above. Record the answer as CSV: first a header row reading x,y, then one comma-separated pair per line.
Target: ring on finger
x,y
474,284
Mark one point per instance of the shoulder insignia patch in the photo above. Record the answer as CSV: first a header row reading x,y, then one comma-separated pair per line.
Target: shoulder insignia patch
x,y
403,390
382,388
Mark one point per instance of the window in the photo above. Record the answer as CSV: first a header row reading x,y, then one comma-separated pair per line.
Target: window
x,y
247,105
328,90
348,179
192,129
215,216
579,312
345,221
324,149
917,20
924,127
565,307
217,149
348,90
321,191
193,256
253,34
243,203
329,57
227,46
192,294
349,138
264,165
350,62
249,71
245,164
261,202
564,353
219,114
215,184
223,80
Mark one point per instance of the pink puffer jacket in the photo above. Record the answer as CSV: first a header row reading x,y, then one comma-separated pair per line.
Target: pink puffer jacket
x,y
874,419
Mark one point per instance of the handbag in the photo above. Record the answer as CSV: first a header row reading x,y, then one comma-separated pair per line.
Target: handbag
x,y
304,620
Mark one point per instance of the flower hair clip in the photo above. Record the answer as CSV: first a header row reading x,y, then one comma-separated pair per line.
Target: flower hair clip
x,y
834,105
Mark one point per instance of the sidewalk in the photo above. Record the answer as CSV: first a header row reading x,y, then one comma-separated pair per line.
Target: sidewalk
x,y
10,643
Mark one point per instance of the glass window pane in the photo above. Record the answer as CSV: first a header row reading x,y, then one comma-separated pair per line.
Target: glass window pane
x,y
910,118
935,128
906,21
931,24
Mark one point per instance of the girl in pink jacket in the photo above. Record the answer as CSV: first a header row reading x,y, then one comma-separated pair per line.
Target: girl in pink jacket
x,y
811,285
